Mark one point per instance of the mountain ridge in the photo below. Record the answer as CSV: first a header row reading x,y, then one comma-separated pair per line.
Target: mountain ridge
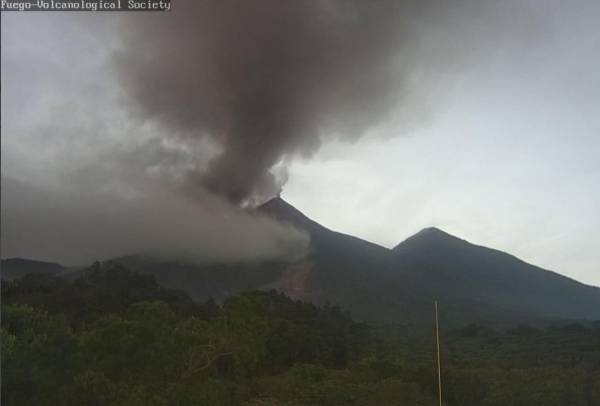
x,y
441,266
13,268
473,283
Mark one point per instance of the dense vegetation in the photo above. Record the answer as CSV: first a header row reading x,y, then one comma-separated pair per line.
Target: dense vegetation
x,y
114,337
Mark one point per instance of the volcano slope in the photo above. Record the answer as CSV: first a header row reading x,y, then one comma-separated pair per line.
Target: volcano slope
x,y
472,283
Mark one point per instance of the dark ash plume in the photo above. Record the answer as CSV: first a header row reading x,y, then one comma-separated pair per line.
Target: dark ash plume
x,y
269,79
76,227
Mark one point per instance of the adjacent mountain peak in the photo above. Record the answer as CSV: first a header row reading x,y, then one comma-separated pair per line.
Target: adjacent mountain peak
x,y
429,236
434,232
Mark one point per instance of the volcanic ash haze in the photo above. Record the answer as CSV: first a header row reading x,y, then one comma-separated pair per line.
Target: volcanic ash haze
x,y
268,80
75,227
227,93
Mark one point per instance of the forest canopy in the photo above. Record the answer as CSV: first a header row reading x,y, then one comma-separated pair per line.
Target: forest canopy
x,y
114,337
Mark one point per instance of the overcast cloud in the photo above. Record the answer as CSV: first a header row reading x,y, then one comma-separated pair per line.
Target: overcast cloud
x,y
497,142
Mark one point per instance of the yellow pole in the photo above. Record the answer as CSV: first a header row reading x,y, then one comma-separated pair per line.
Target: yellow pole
x,y
439,365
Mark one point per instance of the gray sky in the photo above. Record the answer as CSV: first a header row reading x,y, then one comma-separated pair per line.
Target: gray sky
x,y
504,152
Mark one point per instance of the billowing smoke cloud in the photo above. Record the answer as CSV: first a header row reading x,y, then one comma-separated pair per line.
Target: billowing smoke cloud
x,y
219,96
269,79
75,227
81,181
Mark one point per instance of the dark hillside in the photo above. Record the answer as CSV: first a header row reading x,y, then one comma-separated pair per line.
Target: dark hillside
x,y
450,268
472,283
13,268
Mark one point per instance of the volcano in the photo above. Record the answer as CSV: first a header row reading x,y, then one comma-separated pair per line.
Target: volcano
x,y
473,283
452,269
377,284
